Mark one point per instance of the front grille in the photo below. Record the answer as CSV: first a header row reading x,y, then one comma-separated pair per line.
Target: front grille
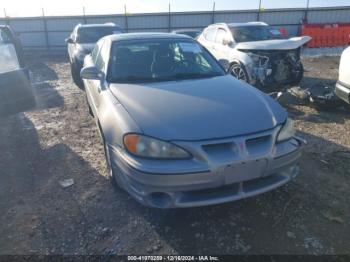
x,y
258,145
236,190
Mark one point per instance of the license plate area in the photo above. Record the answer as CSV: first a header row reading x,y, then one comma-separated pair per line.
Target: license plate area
x,y
244,171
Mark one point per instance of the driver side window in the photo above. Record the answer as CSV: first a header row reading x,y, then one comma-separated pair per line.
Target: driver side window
x,y
210,34
103,56
94,53
97,55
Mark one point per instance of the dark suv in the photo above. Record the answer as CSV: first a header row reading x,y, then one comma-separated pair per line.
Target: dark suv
x,y
81,42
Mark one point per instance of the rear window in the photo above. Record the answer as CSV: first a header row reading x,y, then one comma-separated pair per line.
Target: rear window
x,y
93,34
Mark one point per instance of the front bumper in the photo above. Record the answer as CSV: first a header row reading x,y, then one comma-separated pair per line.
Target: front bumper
x,y
226,179
274,76
343,91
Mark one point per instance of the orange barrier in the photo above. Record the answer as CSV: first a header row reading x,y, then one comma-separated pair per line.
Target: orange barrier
x,y
283,32
327,35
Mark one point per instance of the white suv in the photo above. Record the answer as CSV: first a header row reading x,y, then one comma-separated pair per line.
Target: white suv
x,y
342,88
254,53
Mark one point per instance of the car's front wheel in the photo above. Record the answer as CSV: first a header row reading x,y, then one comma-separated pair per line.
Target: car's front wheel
x,y
111,174
239,72
76,76
298,74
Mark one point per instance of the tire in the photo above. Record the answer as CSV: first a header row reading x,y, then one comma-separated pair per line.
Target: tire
x,y
111,174
299,76
238,71
76,76
89,107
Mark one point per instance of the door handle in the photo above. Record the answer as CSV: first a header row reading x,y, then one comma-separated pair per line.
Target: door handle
x,y
99,89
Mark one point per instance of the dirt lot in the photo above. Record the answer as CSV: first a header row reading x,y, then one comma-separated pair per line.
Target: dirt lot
x,y
59,140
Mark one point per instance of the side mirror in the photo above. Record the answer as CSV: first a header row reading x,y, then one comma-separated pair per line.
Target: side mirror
x,y
91,73
225,64
69,40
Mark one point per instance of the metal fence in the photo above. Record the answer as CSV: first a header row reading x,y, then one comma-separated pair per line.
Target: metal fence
x,y
49,32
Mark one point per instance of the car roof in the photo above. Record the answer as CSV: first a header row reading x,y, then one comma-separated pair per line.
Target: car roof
x,y
239,24
97,25
141,36
247,24
186,30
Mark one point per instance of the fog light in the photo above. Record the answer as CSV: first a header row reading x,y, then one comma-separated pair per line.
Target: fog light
x,y
160,199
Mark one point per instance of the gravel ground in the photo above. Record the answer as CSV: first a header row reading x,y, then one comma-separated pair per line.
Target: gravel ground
x,y
58,140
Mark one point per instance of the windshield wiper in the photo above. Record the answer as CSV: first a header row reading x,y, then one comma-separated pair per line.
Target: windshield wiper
x,y
133,78
194,75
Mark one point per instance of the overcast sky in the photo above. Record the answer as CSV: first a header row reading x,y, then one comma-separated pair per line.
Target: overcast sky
x,y
74,7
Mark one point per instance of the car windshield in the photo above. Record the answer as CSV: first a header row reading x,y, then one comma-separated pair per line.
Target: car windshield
x,y
251,33
160,60
93,34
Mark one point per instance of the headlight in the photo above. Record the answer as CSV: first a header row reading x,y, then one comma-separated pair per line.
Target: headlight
x,y
254,57
258,60
144,146
287,131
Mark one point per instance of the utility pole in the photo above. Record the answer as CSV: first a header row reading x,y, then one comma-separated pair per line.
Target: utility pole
x,y
213,14
169,17
45,30
306,11
6,17
84,15
258,15
126,20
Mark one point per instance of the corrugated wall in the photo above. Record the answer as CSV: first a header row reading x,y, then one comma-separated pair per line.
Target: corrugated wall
x,y
50,32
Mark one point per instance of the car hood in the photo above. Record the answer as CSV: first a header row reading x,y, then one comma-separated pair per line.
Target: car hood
x,y
278,44
201,109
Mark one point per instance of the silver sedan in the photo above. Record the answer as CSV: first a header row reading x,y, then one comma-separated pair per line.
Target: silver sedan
x,y
180,132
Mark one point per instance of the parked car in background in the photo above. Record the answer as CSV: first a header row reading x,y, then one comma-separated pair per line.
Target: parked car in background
x,y
342,88
189,32
179,131
10,36
254,55
15,93
82,40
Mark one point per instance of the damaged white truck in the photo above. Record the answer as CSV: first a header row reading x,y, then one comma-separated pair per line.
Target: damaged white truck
x,y
253,53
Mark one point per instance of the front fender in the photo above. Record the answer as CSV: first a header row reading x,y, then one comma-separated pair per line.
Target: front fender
x,y
114,121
